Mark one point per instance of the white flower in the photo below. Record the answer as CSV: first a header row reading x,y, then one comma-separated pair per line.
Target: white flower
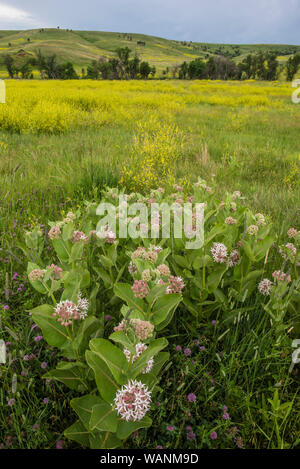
x,y
219,252
265,287
133,401
234,258
140,348
83,306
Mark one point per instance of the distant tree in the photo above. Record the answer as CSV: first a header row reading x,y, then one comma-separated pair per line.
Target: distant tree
x,y
93,71
123,53
153,71
66,71
25,69
145,70
271,66
197,69
183,70
133,67
10,65
292,66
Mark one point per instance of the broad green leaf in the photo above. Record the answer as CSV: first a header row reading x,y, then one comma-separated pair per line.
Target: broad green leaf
x,y
262,247
104,440
77,432
61,249
121,338
112,356
124,291
55,334
163,306
83,407
87,327
104,379
160,359
104,418
215,278
126,428
72,374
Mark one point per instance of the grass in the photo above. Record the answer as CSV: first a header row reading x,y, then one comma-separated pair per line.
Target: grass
x,y
245,136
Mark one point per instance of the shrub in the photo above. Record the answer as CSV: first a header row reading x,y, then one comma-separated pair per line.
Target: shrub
x,y
143,282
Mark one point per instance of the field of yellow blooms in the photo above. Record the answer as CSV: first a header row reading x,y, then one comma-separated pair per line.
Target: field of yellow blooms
x,y
55,106
144,133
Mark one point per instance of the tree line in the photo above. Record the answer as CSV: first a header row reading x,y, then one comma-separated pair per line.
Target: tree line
x,y
261,66
120,67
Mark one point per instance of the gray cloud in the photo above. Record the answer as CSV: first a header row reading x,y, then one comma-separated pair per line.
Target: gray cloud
x,y
232,21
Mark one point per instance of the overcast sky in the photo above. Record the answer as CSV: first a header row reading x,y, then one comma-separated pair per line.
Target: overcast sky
x,y
231,21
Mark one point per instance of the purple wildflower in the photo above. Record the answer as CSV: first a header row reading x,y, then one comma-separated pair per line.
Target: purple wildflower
x,y
191,397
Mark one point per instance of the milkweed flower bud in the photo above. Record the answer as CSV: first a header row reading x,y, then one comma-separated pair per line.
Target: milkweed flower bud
x,y
57,271
146,275
281,276
292,248
132,268
230,221
292,233
260,219
83,306
163,270
252,230
79,236
54,232
140,289
36,274
143,329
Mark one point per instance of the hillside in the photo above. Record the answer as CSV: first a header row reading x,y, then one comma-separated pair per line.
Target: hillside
x,y
80,47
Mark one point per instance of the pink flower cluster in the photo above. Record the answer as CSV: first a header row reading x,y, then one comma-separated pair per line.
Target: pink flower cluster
x,y
292,233
133,401
36,274
234,258
176,285
66,311
79,236
265,287
140,289
219,253
281,276
57,271
143,329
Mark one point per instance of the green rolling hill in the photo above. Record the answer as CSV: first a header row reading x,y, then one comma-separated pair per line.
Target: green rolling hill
x,y
81,47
